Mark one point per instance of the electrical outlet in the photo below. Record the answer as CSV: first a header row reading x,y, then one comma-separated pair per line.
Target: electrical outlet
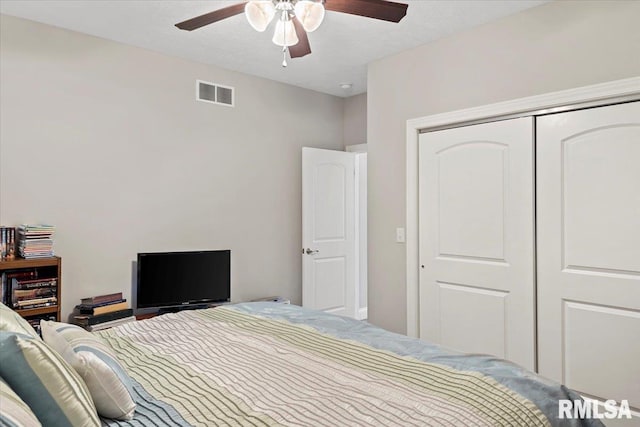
x,y
400,237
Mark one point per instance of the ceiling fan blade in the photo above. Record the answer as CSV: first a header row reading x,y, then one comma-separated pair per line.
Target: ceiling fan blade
x,y
302,48
211,17
377,9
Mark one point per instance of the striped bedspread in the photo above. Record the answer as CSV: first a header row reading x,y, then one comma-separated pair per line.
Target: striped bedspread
x,y
264,364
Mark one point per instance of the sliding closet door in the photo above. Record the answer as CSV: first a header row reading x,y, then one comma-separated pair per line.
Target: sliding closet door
x,y
476,239
588,213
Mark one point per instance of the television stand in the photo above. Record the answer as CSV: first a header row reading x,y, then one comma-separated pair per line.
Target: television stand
x,y
165,310
182,308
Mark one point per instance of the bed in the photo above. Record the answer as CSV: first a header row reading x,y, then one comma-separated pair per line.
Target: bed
x,y
266,364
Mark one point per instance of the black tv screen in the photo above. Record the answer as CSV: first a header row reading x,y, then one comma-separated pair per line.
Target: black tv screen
x,y
169,279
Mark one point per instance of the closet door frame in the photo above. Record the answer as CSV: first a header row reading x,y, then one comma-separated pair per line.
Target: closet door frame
x,y
587,96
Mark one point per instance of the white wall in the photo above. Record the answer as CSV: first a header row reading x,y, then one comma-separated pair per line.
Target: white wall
x,y
558,45
355,120
107,142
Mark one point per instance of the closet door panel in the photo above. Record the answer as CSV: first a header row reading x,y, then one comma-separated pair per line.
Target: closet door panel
x,y
588,250
476,239
600,176
614,327
471,189
467,313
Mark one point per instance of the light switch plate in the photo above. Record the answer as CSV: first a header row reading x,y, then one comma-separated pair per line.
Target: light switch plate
x,y
400,237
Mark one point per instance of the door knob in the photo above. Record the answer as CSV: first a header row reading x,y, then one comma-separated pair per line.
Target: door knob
x,y
309,251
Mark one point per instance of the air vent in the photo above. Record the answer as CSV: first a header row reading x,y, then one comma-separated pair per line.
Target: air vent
x,y
214,93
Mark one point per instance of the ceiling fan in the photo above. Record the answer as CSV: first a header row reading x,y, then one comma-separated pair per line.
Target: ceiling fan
x,y
296,18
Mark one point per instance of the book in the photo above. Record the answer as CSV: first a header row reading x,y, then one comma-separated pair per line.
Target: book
x,y
11,250
89,320
3,288
17,283
35,241
99,304
28,294
25,274
102,298
36,301
102,309
7,243
32,306
37,228
3,243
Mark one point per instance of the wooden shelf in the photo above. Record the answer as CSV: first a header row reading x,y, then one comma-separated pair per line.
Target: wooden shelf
x,y
51,268
19,263
27,312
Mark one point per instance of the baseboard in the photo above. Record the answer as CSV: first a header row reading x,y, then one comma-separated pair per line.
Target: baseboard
x,y
362,314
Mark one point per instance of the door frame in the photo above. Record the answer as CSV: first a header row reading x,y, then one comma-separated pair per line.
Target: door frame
x,y
571,99
361,237
361,232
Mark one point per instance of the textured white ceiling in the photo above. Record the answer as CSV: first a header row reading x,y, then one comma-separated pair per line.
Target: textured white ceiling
x,y
341,48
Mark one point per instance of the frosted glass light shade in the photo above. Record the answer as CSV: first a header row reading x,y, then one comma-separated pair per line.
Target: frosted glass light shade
x,y
259,14
310,14
285,34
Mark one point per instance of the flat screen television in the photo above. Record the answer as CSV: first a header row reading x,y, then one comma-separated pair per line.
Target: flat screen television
x,y
182,279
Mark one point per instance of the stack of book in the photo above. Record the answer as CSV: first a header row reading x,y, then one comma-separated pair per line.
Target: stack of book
x,y
7,243
35,241
29,292
102,311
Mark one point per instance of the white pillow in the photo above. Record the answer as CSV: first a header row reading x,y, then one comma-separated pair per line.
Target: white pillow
x,y
11,321
106,379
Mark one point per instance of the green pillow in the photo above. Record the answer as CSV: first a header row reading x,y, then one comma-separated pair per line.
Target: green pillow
x,y
13,411
45,382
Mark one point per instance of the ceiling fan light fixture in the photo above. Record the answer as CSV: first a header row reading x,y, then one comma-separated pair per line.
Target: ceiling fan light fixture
x,y
296,18
310,14
285,33
259,14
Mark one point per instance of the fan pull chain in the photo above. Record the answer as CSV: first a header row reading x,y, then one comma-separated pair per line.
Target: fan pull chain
x,y
284,47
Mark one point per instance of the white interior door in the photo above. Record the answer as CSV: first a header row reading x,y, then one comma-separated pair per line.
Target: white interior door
x,y
588,210
476,239
328,231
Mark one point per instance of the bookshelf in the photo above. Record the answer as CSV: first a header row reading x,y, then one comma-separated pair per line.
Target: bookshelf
x,y
45,268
